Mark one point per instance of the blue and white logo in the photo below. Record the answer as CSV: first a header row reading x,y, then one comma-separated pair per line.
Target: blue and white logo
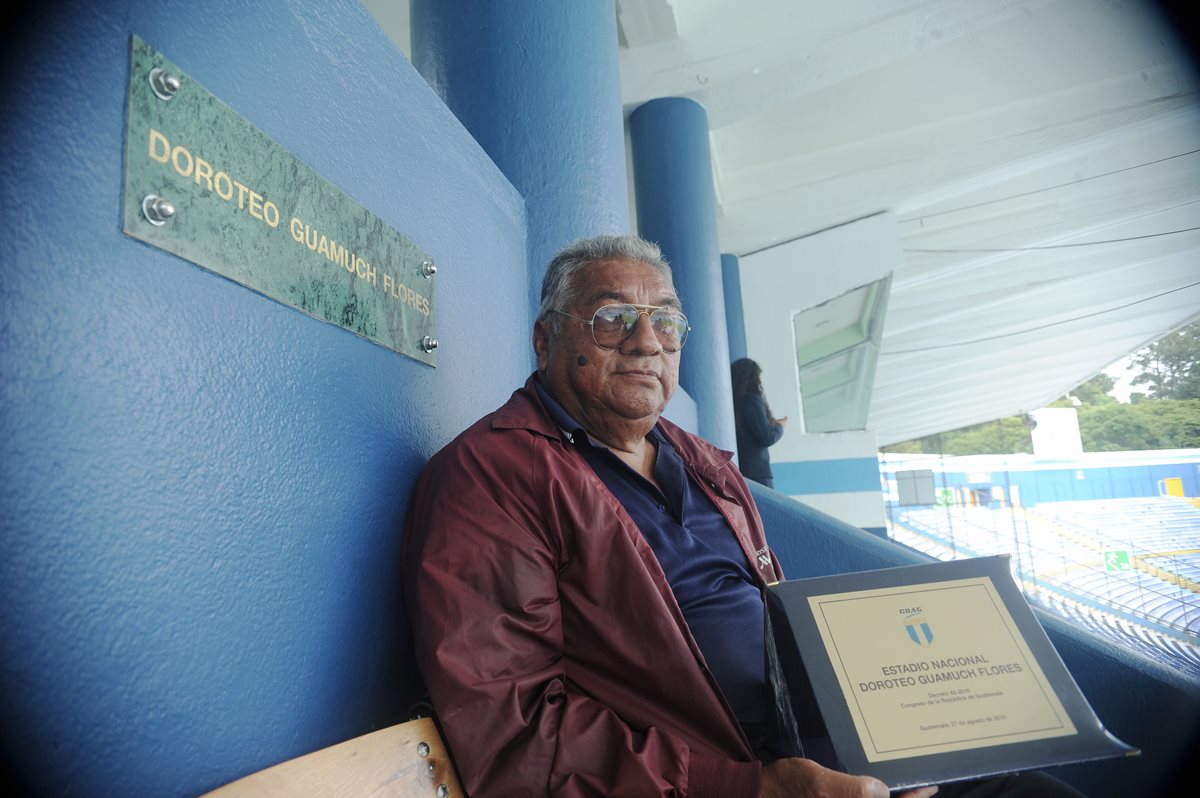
x,y
919,633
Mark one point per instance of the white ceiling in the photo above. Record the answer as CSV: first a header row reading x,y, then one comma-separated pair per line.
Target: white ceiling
x,y
1000,134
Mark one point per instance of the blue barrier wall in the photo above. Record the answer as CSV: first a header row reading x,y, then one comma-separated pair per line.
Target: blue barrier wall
x,y
1092,475
1126,482
1048,484
203,489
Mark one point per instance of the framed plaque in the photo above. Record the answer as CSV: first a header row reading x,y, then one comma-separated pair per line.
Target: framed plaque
x,y
930,674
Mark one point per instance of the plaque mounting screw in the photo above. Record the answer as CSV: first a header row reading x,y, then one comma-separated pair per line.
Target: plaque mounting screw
x,y
428,269
164,84
428,343
157,210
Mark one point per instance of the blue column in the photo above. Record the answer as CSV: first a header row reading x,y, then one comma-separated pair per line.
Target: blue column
x,y
538,85
735,313
676,206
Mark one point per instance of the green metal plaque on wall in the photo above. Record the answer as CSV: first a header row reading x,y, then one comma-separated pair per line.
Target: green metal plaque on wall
x,y
205,184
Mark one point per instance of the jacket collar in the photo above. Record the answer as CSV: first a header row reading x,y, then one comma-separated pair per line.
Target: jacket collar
x,y
709,463
525,410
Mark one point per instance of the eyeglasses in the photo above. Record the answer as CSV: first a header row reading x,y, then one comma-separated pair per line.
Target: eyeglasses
x,y
612,325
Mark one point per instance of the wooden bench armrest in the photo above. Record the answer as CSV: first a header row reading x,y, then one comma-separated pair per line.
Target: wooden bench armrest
x,y
409,759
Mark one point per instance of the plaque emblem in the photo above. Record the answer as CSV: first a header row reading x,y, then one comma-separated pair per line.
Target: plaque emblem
x,y
919,633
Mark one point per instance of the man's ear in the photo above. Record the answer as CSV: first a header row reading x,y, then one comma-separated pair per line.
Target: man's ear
x,y
541,344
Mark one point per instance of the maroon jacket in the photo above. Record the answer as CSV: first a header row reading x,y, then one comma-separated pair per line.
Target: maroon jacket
x,y
552,646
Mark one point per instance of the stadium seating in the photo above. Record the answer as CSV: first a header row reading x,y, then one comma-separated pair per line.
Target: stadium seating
x,y
1127,569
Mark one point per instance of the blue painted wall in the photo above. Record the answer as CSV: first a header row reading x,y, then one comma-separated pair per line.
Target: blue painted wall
x,y
202,489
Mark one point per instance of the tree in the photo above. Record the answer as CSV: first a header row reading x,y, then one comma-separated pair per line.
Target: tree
x,y
1105,425
1096,390
1171,365
1093,392
1002,436
1114,428
1162,424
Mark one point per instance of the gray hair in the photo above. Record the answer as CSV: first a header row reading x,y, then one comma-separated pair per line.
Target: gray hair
x,y
559,288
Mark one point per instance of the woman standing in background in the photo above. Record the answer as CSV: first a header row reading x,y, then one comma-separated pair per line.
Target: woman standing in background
x,y
756,427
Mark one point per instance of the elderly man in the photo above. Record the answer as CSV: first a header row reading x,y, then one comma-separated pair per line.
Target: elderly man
x,y
584,578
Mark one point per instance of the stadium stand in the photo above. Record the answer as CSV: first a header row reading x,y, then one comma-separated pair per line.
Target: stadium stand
x,y
1126,569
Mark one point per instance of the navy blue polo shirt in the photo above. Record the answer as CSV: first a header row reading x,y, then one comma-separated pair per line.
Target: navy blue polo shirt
x,y
703,563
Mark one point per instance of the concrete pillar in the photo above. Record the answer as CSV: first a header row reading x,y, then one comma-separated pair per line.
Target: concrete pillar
x,y
735,313
676,206
537,84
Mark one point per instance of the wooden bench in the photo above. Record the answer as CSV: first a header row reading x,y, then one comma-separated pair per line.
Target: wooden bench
x,y
409,760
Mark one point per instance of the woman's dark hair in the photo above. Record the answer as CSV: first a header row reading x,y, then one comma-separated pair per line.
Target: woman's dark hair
x,y
747,378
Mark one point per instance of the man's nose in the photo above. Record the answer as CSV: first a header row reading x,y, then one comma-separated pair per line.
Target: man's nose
x,y
643,339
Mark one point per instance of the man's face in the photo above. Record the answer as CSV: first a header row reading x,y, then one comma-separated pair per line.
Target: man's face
x,y
618,390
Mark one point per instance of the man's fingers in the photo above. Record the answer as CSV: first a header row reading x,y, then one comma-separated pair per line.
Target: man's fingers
x,y
920,792
875,787
804,778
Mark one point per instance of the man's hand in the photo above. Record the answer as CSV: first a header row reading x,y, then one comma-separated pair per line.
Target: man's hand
x,y
803,778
